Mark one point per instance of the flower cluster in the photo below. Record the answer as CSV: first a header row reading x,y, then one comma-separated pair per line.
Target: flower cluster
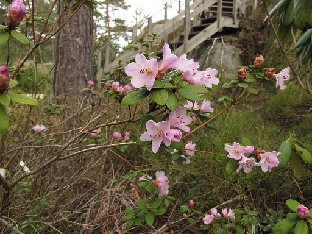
x,y
167,131
144,72
115,86
16,13
210,218
248,157
39,128
161,182
118,136
4,78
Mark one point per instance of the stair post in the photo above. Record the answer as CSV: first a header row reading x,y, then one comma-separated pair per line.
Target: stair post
x,y
165,22
234,11
134,33
187,24
149,25
219,13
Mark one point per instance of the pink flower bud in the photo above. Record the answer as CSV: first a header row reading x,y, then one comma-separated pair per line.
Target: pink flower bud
x,y
115,86
191,204
303,211
127,88
117,136
95,132
107,85
39,128
249,149
127,136
90,84
4,78
17,11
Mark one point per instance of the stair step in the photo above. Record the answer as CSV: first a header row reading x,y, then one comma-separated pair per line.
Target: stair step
x,y
208,20
223,7
198,28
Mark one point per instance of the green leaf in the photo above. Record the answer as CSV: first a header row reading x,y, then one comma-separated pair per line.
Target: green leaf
x,y
277,8
3,27
284,226
12,84
138,220
149,218
292,216
304,38
292,204
4,37
227,85
134,97
160,84
4,99
250,78
158,212
231,166
141,204
252,90
301,227
156,203
4,123
191,92
296,165
20,37
301,13
243,85
285,149
23,99
129,211
172,102
305,155
167,202
160,96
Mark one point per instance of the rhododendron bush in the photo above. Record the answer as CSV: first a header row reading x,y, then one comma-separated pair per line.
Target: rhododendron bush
x,y
139,153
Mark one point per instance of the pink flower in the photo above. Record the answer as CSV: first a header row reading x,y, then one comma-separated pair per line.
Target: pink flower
x,y
169,59
145,178
39,128
115,86
162,183
4,78
143,72
174,135
208,219
193,77
107,85
127,88
236,151
95,132
190,148
228,214
90,84
179,119
127,136
303,211
191,203
17,11
184,64
117,136
206,107
269,160
214,212
209,78
281,77
156,132
249,149
246,164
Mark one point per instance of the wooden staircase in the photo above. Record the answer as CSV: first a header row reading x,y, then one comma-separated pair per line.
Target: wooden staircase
x,y
207,21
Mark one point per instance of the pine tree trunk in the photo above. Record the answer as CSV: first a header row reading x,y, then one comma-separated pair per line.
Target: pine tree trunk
x,y
73,52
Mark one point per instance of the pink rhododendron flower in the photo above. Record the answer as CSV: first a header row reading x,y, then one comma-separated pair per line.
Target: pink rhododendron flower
x,y
39,128
117,136
208,219
174,135
236,151
107,85
95,132
179,119
156,132
127,88
269,160
169,59
184,64
191,203
16,13
4,78
303,211
115,85
246,164
249,149
90,84
228,214
190,148
206,107
191,106
127,136
193,77
282,77
162,183
143,72
209,78
214,212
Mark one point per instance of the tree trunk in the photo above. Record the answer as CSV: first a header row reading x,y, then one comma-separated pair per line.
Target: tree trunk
x,y
73,52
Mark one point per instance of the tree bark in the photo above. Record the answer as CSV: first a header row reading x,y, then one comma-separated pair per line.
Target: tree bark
x,y
73,52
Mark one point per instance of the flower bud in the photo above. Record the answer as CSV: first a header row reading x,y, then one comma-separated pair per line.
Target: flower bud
x,y
115,86
17,11
259,61
270,72
127,136
4,78
107,85
90,84
242,73
249,149
303,211
191,204
117,136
